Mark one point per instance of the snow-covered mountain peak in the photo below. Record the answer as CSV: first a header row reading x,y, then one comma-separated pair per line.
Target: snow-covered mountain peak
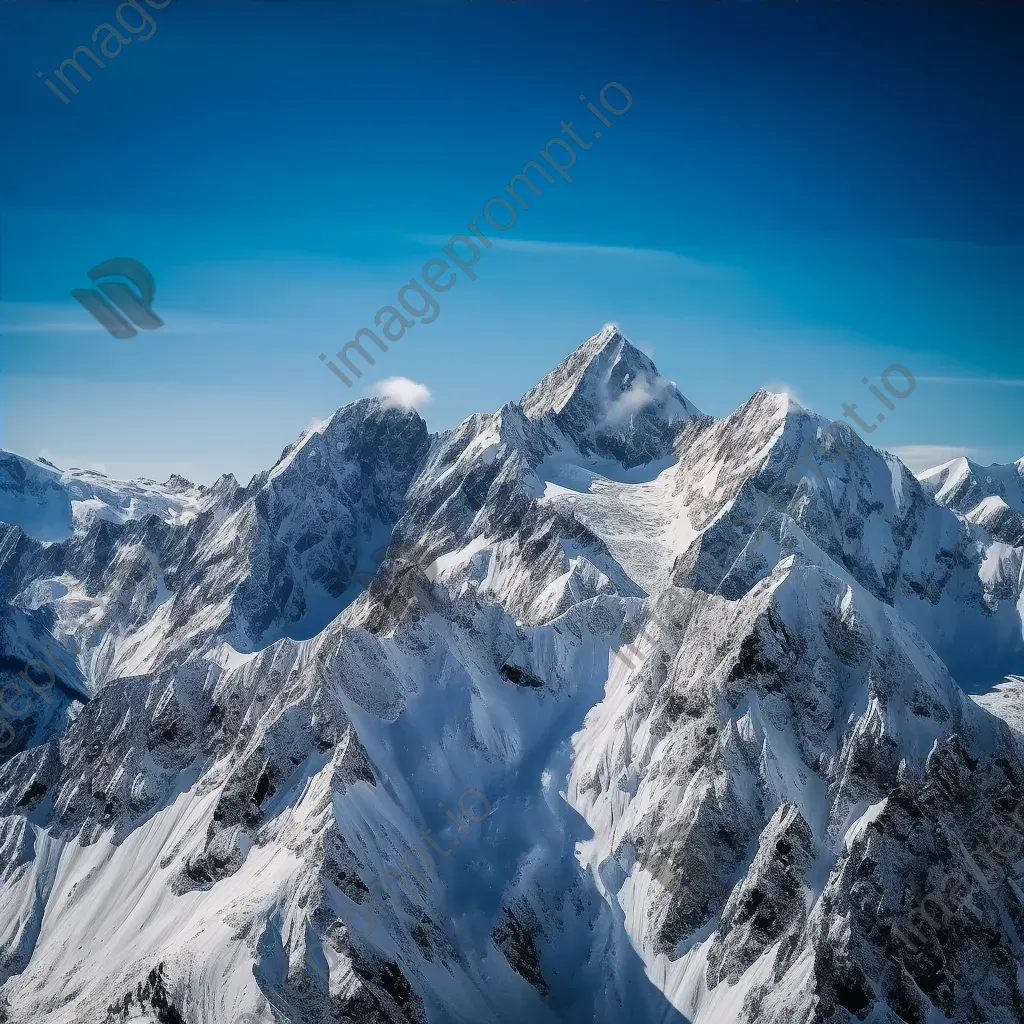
x,y
769,429
224,486
780,403
604,366
347,430
776,404
968,489
608,398
962,482
176,482
943,479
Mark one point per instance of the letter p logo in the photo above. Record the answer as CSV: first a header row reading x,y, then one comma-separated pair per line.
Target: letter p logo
x,y
135,306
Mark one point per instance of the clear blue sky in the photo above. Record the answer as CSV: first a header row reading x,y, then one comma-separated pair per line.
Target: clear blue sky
x,y
800,194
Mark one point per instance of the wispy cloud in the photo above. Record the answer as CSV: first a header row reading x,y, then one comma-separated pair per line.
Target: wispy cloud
x,y
919,457
635,398
45,318
687,264
64,318
1006,382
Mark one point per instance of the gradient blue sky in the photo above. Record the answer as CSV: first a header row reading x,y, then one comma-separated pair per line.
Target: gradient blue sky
x,y
801,195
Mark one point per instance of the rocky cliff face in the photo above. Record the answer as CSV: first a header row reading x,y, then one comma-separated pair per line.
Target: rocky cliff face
x,y
593,708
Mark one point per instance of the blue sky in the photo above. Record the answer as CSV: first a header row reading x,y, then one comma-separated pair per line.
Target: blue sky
x,y
800,195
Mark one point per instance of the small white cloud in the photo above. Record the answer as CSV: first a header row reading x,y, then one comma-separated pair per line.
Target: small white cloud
x,y
400,391
919,457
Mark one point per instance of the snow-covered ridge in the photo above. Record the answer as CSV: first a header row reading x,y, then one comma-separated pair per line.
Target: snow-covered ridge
x,y
990,496
50,504
959,483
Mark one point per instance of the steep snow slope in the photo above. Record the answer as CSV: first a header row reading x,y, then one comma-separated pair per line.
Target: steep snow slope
x,y
991,496
642,716
961,484
866,511
740,778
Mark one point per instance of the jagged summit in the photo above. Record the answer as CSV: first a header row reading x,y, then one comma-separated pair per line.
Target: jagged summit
x,y
176,482
962,483
610,400
605,366
989,496
369,417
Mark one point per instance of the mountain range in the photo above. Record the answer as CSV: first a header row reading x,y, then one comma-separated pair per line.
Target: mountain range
x,y
591,709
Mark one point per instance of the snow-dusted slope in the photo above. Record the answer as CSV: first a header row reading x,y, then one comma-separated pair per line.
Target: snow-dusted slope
x,y
862,507
961,483
642,716
50,504
991,496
